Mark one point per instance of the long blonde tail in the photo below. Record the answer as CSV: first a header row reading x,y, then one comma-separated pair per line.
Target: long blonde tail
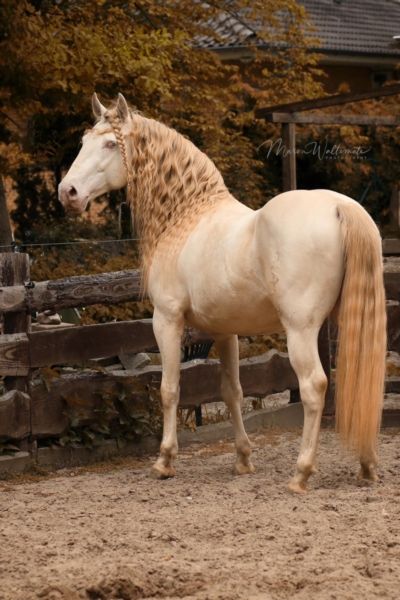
x,y
362,333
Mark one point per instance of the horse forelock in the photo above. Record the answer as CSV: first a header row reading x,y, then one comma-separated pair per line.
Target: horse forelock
x,y
171,184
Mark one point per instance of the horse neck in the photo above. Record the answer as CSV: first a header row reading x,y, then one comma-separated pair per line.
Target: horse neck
x,y
173,184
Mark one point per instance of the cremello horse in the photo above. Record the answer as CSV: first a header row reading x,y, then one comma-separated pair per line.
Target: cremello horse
x,y
214,263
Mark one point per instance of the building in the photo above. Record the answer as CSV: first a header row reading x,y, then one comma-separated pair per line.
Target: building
x,y
359,41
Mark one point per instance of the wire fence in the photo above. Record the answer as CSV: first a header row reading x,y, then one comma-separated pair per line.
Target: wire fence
x,y
16,246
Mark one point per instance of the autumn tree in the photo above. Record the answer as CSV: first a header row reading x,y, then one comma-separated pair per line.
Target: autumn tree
x,y
360,161
55,53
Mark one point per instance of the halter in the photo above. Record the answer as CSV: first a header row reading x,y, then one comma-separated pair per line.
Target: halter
x,y
115,123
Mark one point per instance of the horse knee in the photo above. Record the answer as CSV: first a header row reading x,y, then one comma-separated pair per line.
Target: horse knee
x,y
231,392
169,394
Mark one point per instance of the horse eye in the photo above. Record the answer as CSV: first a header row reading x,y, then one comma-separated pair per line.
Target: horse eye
x,y
110,144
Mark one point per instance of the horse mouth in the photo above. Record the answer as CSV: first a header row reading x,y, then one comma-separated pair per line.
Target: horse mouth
x,y
73,211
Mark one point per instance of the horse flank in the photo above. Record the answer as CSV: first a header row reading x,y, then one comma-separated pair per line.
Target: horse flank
x,y
171,184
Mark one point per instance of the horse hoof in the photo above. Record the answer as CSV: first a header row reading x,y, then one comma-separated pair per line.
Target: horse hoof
x,y
243,469
159,471
297,487
368,473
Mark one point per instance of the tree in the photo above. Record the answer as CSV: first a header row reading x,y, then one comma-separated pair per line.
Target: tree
x,y
364,164
55,53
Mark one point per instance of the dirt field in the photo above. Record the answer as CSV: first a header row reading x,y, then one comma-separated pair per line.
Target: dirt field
x,y
112,532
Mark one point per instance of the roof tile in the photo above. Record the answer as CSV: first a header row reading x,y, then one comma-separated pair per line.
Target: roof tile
x,y
349,26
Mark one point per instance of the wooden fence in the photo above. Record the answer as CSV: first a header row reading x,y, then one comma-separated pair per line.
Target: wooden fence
x,y
33,408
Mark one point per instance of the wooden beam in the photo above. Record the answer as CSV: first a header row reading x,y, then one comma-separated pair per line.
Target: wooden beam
x,y
15,416
392,286
80,394
317,119
325,101
82,290
393,325
289,181
14,355
391,247
14,270
75,345
395,208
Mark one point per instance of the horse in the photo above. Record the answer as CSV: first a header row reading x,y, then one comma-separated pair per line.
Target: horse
x,y
211,262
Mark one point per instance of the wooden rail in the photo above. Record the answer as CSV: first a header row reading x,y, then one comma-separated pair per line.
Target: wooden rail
x,y
111,288
69,292
325,101
328,119
23,351
79,395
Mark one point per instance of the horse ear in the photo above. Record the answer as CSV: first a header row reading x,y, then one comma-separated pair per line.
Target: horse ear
x,y
122,108
98,108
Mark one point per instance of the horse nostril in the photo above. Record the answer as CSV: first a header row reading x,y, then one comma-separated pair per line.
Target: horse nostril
x,y
72,191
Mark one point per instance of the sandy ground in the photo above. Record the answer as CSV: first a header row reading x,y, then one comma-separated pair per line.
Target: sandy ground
x,y
112,532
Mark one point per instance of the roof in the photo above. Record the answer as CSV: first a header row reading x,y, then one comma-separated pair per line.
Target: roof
x,y
342,26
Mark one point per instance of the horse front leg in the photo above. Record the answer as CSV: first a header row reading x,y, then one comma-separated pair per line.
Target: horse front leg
x,y
168,332
232,394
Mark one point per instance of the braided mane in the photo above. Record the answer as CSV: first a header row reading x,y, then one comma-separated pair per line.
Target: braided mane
x,y
171,184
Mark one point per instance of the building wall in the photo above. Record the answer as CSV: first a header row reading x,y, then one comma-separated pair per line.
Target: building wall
x,y
356,78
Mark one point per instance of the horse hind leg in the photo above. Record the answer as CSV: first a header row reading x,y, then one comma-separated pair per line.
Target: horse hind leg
x,y
304,358
232,395
168,333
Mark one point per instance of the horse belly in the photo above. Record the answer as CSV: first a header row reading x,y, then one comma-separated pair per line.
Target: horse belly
x,y
242,316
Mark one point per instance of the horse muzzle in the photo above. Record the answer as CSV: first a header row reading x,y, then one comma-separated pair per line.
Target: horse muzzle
x,y
72,201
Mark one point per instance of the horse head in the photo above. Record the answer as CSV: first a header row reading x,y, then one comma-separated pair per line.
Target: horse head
x,y
101,165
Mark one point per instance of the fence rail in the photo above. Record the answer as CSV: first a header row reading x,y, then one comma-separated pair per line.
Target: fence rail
x,y
48,409
70,292
23,351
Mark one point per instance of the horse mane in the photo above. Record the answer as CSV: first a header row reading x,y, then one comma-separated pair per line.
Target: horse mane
x,y
171,184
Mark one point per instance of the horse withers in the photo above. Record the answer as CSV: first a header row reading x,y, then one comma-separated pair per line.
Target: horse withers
x,y
212,262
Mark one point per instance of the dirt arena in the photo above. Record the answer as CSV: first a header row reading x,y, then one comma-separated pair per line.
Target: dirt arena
x,y
112,532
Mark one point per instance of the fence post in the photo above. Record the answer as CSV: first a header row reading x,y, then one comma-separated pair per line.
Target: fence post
x,y
14,270
289,178
395,207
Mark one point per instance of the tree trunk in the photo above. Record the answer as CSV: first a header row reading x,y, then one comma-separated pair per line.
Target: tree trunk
x,y
6,236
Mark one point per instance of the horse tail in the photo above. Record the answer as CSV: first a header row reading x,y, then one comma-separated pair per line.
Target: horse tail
x,y
360,370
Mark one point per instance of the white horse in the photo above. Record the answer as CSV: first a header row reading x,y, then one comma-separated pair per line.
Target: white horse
x,y
212,262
